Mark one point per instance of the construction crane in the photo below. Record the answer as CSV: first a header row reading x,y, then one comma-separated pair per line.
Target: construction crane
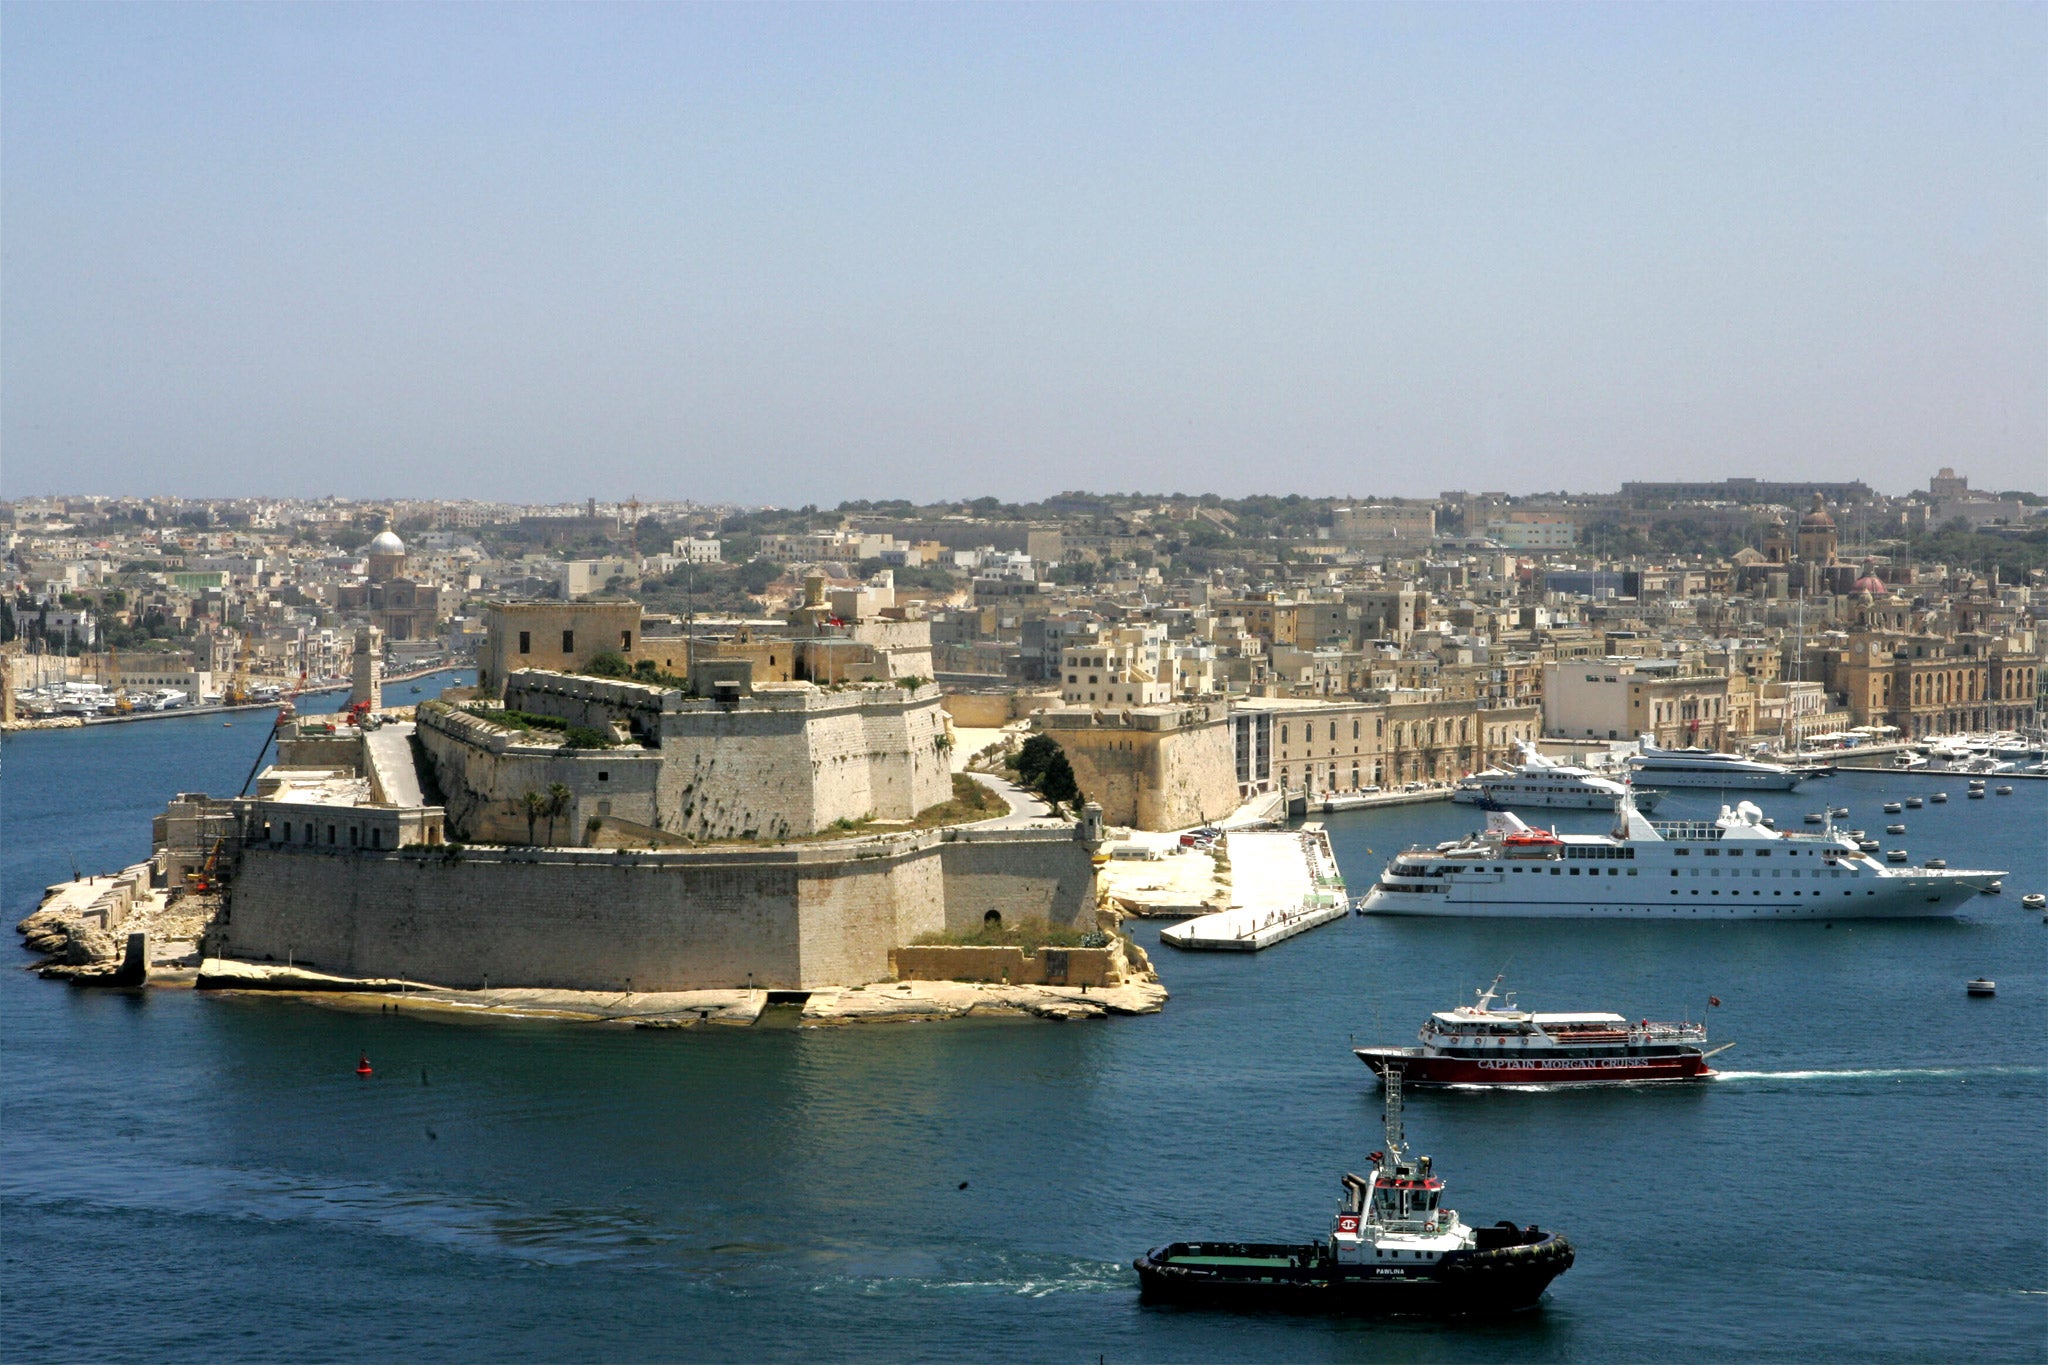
x,y
123,703
206,877
238,689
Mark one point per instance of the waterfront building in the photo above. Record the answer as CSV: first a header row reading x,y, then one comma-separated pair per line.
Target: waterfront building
x,y
1622,698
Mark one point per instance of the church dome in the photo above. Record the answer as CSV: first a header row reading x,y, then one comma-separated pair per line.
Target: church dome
x,y
1871,584
387,542
1818,519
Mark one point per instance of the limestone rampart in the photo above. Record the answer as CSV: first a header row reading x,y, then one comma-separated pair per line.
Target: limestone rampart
x,y
995,708
485,771
1046,967
793,917
1020,875
1154,767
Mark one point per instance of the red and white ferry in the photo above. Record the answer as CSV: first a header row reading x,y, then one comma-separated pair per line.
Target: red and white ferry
x,y
1478,1045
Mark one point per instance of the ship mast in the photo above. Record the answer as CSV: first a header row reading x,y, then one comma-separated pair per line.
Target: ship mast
x,y
1397,1137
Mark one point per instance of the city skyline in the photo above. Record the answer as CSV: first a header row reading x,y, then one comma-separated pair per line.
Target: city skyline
x,y
777,256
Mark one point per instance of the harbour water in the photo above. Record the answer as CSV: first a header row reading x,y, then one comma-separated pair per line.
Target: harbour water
x,y
185,1176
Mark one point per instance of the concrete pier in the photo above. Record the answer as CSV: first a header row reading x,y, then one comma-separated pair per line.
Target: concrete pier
x,y
1288,884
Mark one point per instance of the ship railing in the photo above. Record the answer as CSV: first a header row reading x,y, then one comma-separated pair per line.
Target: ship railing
x,y
1670,1033
1687,829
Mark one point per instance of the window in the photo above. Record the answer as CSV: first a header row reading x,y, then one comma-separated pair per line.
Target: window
x,y
603,776
526,642
568,642
626,641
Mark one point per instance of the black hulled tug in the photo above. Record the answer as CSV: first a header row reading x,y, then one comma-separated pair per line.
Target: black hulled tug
x,y
1393,1248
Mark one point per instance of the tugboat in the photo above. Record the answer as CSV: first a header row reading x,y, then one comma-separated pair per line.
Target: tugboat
x,y
1393,1249
1478,1045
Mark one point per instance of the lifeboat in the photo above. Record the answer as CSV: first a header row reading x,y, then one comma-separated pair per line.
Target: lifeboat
x,y
1531,843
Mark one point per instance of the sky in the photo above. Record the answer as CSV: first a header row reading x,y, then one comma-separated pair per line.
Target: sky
x,y
800,254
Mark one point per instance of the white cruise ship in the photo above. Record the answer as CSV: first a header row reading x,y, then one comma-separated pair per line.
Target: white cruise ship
x,y
1655,767
1734,867
1539,781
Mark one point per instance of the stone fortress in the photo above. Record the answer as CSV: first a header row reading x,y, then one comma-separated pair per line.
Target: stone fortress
x,y
591,833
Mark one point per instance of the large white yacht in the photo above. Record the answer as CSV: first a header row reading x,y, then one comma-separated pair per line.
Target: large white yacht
x,y
1734,867
1540,781
1655,767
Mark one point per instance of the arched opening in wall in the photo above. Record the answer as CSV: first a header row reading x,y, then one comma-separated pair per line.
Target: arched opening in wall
x,y
992,920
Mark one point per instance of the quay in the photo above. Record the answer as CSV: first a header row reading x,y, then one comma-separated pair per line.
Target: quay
x,y
1291,884
1302,805
218,709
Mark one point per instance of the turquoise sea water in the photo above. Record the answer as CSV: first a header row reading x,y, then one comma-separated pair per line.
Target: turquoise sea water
x,y
184,1176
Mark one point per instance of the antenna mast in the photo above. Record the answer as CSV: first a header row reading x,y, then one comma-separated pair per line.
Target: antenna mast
x,y
1397,1138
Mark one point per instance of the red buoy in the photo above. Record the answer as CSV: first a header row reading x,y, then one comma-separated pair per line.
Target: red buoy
x,y
363,1065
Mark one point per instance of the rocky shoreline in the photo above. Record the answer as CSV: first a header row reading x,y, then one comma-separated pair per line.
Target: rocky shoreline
x,y
117,931
880,1002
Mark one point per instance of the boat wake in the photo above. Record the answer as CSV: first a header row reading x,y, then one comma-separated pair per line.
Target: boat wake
x,y
1028,1281
554,1237
1880,1073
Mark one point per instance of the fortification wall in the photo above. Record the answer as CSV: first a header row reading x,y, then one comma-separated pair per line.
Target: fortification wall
x,y
791,918
1152,778
1020,875
599,703
1048,967
905,757
793,759
853,912
484,774
994,709
1196,782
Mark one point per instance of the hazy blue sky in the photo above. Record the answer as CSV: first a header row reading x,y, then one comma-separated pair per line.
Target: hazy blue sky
x,y
809,253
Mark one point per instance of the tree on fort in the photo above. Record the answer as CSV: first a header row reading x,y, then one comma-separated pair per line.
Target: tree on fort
x,y
1042,765
536,805
558,798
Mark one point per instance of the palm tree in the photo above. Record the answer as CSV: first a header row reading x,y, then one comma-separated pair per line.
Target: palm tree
x,y
559,797
536,805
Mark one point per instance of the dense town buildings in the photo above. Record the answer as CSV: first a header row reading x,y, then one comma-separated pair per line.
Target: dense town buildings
x,y
1187,652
